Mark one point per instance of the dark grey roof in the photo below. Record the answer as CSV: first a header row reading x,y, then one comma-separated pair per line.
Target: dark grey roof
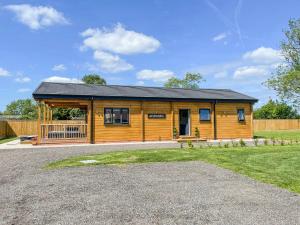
x,y
86,91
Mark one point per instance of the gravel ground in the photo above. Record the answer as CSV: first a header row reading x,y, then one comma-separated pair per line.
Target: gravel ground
x,y
159,193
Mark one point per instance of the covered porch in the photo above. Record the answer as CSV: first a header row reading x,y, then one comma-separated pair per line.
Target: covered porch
x,y
75,130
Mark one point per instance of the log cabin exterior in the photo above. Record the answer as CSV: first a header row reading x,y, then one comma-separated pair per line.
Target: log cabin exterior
x,y
132,113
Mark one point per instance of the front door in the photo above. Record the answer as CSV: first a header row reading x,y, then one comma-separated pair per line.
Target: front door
x,y
184,121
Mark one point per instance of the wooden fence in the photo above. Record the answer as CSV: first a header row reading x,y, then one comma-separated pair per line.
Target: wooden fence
x,y
11,128
286,124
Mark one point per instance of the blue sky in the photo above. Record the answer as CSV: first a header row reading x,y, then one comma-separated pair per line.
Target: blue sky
x,y
233,44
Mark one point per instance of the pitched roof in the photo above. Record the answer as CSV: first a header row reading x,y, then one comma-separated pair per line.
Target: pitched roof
x,y
87,91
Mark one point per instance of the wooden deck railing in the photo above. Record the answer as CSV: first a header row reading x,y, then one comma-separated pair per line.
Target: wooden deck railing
x,y
58,133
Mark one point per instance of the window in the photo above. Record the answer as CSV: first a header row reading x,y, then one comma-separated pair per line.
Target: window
x,y
204,114
241,114
116,115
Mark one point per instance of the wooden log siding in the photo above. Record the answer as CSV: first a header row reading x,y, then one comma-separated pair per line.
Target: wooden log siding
x,y
228,125
142,128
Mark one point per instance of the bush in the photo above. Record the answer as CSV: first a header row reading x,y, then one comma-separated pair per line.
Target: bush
x,y
226,145
197,132
234,144
256,142
175,133
273,141
190,144
266,142
242,143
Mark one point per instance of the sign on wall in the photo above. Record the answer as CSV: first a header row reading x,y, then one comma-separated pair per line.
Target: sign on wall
x,y
156,116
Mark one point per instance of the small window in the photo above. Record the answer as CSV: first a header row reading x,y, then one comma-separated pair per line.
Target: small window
x,y
241,114
204,114
116,115
107,115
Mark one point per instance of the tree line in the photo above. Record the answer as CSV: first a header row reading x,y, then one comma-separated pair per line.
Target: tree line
x,y
285,82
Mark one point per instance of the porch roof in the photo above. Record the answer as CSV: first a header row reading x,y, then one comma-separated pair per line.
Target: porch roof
x,y
47,90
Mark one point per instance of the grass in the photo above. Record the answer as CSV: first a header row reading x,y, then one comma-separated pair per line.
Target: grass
x,y
8,139
280,134
278,165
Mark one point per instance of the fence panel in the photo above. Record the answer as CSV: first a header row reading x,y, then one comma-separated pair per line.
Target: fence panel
x,y
274,124
27,127
2,129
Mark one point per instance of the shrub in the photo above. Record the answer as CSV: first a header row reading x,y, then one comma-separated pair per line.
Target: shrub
x,y
273,141
282,142
256,142
226,145
175,133
266,142
190,144
197,132
234,144
242,143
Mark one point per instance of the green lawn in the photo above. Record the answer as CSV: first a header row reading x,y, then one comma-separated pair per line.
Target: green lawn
x,y
4,140
278,165
280,134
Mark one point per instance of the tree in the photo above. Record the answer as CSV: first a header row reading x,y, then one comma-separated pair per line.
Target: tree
x,y
286,81
276,110
191,80
67,113
25,108
93,79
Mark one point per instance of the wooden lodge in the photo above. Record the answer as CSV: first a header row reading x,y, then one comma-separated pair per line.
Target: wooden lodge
x,y
132,113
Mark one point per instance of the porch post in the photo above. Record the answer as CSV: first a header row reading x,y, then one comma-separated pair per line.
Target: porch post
x,y
92,123
51,114
44,113
39,124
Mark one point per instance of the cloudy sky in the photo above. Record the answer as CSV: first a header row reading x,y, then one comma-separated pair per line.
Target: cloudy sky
x,y
233,43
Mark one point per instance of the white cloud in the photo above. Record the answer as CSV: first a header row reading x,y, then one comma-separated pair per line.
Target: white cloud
x,y
247,72
219,37
155,75
221,74
3,72
59,67
59,79
23,79
111,63
108,44
37,17
119,41
264,56
23,90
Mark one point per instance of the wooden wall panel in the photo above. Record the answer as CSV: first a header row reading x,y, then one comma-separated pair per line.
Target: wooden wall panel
x,y
205,127
228,125
117,133
158,129
161,129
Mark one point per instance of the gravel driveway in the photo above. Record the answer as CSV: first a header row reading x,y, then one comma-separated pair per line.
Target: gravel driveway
x,y
158,193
